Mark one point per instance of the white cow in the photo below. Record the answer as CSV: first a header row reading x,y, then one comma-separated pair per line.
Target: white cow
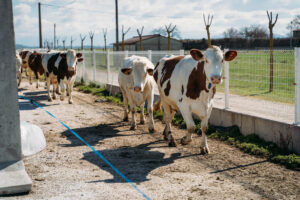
x,y
188,84
137,85
19,68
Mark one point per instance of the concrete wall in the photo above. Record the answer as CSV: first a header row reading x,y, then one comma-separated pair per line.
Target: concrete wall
x,y
283,134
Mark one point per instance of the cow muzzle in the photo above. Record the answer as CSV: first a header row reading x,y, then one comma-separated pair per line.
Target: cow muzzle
x,y
137,89
215,79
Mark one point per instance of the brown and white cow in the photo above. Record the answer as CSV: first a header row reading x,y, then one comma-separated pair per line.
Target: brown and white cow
x,y
60,67
137,84
32,62
188,84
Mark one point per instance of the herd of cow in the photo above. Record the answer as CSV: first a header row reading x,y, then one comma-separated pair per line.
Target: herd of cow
x,y
58,67
185,83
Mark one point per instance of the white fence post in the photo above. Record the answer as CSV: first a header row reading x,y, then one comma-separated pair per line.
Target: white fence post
x,y
107,65
297,85
150,55
226,76
94,65
83,70
181,52
125,54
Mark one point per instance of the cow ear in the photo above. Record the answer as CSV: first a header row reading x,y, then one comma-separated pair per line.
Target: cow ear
x,y
196,54
230,55
150,71
126,71
78,55
63,55
80,59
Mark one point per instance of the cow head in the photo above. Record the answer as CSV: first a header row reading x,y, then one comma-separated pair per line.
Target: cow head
x,y
142,68
213,59
72,58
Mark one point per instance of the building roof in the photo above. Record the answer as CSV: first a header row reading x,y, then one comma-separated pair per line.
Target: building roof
x,y
136,39
297,30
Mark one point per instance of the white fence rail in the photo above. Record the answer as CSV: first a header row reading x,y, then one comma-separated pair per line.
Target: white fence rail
x,y
246,85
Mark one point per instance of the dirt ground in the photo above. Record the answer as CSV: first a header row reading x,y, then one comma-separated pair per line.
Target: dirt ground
x,y
68,169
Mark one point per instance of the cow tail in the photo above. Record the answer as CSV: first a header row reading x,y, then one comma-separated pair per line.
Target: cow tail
x,y
157,105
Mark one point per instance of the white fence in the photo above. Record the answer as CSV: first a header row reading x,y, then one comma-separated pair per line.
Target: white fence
x,y
246,85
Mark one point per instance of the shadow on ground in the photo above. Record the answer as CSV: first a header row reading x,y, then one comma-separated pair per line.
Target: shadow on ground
x,y
38,96
134,162
94,134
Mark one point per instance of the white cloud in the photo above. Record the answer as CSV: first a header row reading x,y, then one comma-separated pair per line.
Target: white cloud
x,y
73,17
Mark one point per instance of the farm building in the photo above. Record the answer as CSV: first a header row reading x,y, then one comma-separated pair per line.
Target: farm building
x,y
150,42
296,33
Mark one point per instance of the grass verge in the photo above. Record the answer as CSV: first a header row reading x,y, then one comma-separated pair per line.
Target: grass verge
x,y
251,144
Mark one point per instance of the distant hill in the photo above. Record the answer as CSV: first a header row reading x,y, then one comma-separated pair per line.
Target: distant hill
x,y
21,46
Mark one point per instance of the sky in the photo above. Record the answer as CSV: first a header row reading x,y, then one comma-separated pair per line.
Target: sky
x,y
75,17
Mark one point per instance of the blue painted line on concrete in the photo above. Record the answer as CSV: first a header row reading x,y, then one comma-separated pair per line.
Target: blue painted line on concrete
x,y
87,144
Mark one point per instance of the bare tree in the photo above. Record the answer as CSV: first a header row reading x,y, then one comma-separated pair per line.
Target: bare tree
x,y
82,38
123,36
91,33
294,24
140,33
162,31
253,31
271,25
57,40
207,26
72,40
169,30
104,35
232,33
64,43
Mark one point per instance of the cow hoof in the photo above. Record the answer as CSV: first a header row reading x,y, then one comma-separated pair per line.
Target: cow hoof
x,y
71,101
142,122
185,141
132,127
204,150
58,93
49,99
151,130
125,119
165,137
62,98
172,143
54,97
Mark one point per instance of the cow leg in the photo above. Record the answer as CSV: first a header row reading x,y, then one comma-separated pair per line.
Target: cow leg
x,y
37,79
188,118
57,89
63,89
20,78
30,76
133,110
150,111
142,116
165,133
168,120
204,147
48,89
67,89
125,101
54,89
70,88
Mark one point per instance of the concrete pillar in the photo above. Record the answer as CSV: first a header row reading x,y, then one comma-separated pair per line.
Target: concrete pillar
x,y
13,177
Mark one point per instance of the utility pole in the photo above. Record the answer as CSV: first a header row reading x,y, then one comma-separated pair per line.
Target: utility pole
x,y
117,26
54,36
40,25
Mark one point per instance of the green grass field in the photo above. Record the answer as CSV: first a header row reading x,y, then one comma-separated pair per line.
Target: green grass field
x,y
249,73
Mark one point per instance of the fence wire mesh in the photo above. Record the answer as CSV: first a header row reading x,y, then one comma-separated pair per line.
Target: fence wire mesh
x,y
249,76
